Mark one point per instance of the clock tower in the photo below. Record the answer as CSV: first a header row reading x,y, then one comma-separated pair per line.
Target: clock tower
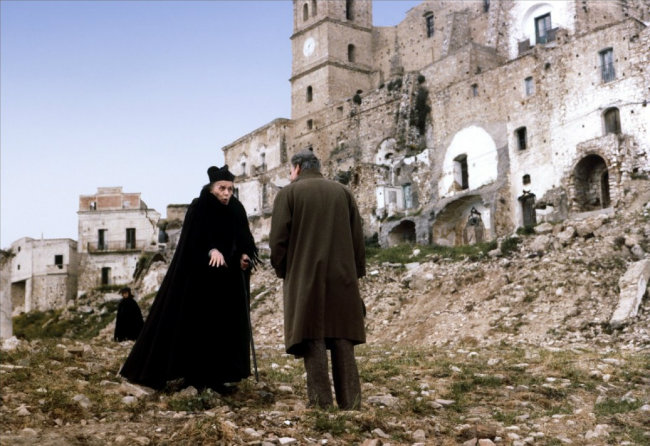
x,y
332,52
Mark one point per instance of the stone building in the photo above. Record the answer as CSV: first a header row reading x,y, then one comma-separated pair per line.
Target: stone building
x,y
43,274
115,229
466,120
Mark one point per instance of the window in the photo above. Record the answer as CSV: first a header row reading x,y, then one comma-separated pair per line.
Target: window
x,y
612,121
101,239
305,12
525,179
392,197
486,5
529,86
310,124
130,238
408,195
93,205
607,65
521,138
106,276
542,28
58,260
310,94
351,51
474,90
461,176
235,192
349,9
314,8
243,167
429,22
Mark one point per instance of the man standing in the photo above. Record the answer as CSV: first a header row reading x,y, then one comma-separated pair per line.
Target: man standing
x,y
317,247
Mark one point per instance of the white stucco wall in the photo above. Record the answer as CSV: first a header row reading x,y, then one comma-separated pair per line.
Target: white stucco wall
x,y
482,159
522,20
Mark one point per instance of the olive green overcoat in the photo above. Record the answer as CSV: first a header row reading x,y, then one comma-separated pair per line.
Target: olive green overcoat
x,y
317,247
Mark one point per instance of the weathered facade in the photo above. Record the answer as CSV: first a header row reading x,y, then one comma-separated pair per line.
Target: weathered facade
x,y
43,274
464,121
115,228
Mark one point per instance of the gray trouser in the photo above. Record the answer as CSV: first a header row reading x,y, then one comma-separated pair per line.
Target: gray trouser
x,y
344,371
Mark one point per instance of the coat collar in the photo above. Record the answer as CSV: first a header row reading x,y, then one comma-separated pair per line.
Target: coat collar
x,y
310,173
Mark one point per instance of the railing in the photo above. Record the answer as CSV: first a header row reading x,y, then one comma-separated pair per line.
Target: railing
x,y
115,246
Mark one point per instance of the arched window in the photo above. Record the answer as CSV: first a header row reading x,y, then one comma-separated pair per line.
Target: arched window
x,y
612,121
351,53
314,8
305,12
310,94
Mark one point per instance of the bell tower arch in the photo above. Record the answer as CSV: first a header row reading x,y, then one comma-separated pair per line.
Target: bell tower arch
x,y
331,52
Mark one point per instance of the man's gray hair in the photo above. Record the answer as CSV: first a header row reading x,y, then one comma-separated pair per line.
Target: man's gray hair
x,y
306,160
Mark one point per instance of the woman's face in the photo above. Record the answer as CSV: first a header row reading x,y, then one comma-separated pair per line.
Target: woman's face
x,y
223,190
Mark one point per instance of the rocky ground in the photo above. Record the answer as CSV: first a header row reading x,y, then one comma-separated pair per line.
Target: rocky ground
x,y
508,345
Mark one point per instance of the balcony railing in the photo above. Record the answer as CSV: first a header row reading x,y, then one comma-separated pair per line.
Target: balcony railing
x,y
115,246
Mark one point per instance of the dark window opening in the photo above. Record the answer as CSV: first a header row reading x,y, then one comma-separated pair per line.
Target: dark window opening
x,y
474,90
607,65
408,195
101,240
314,8
351,53
235,192
542,28
525,179
106,276
130,238
486,5
310,124
349,9
522,143
461,175
310,93
58,260
612,121
305,12
429,22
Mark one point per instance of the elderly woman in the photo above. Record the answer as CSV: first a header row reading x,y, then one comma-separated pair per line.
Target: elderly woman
x,y
197,328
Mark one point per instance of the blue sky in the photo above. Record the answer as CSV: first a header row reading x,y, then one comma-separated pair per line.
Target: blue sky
x,y
138,94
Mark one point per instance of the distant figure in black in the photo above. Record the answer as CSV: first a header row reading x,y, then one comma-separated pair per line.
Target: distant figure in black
x,y
197,328
128,322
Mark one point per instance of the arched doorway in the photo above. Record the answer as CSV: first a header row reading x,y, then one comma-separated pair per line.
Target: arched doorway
x,y
402,233
591,184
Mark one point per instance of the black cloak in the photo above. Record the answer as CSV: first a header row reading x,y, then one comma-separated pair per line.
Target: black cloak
x,y
197,328
128,321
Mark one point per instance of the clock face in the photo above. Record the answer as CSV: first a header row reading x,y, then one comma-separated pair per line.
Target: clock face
x,y
309,46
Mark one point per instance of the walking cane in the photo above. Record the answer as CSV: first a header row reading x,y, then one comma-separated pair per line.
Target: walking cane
x,y
250,326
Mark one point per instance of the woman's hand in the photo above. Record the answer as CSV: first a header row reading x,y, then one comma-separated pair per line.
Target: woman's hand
x,y
216,259
244,262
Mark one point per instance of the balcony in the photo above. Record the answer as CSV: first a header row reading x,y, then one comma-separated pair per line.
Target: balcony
x,y
115,246
550,36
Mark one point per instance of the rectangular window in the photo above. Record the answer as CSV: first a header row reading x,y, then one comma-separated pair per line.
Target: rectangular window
x,y
461,174
101,240
130,238
521,138
106,276
58,260
392,197
310,124
474,90
529,86
429,21
408,196
607,65
542,28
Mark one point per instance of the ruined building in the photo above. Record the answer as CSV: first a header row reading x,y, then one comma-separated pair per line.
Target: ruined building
x,y
465,121
43,274
115,228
